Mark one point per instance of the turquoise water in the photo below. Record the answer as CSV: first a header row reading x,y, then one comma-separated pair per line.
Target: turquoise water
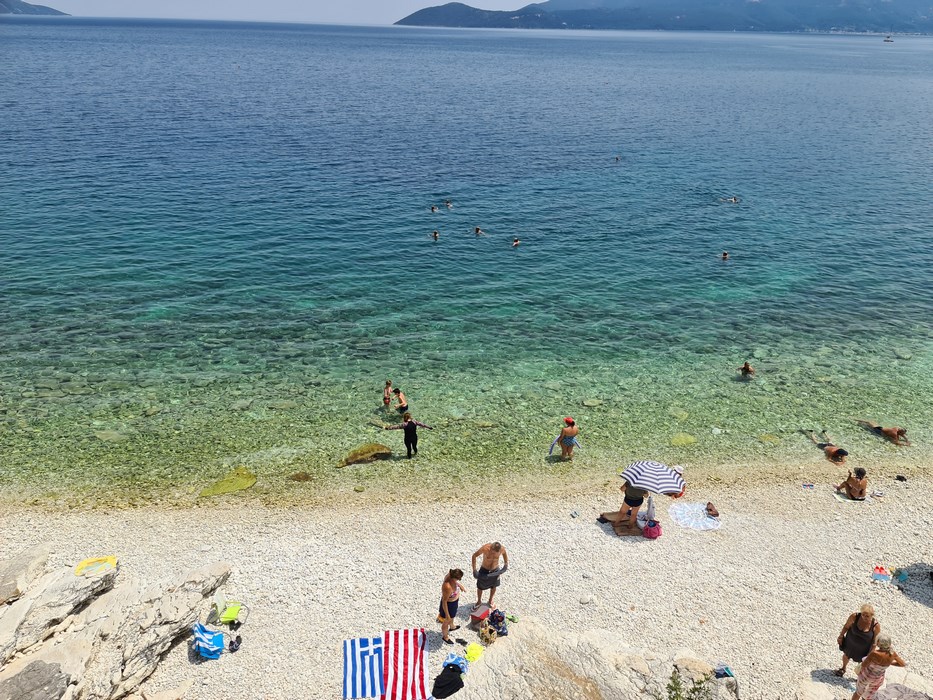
x,y
216,245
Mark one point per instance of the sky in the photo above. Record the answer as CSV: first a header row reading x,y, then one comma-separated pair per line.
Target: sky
x,y
325,11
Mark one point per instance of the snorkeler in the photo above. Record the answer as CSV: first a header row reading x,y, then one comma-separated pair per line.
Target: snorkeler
x,y
515,243
833,453
747,370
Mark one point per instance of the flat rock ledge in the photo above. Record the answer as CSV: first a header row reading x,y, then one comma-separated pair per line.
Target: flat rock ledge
x,y
92,637
535,662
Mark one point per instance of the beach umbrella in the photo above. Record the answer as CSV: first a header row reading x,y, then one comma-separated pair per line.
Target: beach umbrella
x,y
654,477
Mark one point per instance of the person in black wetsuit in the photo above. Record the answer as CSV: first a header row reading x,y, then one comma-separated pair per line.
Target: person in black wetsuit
x,y
411,432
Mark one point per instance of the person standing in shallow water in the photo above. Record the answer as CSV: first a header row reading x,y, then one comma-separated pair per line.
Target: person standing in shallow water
x,y
411,432
568,438
387,394
402,403
747,370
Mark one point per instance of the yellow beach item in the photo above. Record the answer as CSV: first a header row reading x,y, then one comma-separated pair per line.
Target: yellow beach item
x,y
474,651
96,566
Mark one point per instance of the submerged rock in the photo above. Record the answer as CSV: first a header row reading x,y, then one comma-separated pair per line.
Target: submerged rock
x,y
769,439
283,405
239,479
369,452
241,405
902,354
300,476
592,403
678,413
683,439
110,436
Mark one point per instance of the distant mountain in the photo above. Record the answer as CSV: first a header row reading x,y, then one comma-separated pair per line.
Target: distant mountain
x,y
908,16
17,7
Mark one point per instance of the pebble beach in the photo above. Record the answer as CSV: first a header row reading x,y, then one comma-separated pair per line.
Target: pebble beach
x,y
766,593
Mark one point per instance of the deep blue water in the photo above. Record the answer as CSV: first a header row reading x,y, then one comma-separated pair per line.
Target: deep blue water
x,y
214,204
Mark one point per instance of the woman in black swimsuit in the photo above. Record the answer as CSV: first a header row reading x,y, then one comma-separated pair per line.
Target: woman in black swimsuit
x,y
858,637
411,432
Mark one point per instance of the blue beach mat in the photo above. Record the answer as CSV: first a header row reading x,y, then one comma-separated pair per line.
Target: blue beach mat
x,y
693,516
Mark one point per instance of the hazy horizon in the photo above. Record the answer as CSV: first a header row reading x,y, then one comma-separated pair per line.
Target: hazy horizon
x,y
346,12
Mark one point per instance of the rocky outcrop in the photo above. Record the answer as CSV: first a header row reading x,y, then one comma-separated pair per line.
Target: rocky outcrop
x,y
367,453
17,574
83,638
538,663
18,7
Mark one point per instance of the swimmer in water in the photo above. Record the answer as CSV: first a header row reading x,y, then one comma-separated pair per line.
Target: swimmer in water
x,y
434,209
894,434
833,452
515,243
448,204
478,231
732,200
618,159
747,370
435,235
725,255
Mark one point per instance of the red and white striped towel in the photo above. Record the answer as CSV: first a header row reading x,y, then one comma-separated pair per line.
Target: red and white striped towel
x,y
403,665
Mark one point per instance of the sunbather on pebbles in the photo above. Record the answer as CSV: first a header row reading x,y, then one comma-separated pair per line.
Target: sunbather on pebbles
x,y
487,576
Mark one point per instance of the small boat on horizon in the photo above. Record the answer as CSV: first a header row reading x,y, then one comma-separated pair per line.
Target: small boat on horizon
x,y
888,39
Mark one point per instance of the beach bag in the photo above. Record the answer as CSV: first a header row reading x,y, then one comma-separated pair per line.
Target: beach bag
x,y
487,633
652,530
497,622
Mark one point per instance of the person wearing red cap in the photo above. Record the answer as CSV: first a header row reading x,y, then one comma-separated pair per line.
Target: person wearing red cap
x,y
568,438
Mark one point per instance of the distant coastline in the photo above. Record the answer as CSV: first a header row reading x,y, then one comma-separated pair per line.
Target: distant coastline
x,y
874,17
18,7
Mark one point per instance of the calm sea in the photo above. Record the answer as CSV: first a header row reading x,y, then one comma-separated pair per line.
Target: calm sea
x,y
216,246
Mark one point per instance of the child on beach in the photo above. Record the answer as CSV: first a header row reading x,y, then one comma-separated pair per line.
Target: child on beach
x,y
411,432
833,453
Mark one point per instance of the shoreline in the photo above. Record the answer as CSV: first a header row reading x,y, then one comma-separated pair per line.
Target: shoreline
x,y
766,594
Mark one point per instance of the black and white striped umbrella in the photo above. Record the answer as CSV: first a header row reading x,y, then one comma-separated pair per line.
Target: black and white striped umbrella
x,y
654,477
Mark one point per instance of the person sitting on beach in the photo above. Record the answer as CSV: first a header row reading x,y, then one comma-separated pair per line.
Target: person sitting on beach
x,y
387,393
487,576
450,602
568,439
833,453
894,434
747,370
411,432
515,243
434,209
871,676
626,519
435,235
857,638
856,486
402,404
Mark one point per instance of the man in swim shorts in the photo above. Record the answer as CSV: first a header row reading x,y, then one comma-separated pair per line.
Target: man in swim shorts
x,y
487,576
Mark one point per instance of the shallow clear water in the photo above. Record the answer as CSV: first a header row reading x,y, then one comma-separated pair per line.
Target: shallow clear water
x,y
201,216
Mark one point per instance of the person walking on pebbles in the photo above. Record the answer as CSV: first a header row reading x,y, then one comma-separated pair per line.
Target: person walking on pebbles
x,y
858,637
487,576
450,602
411,432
